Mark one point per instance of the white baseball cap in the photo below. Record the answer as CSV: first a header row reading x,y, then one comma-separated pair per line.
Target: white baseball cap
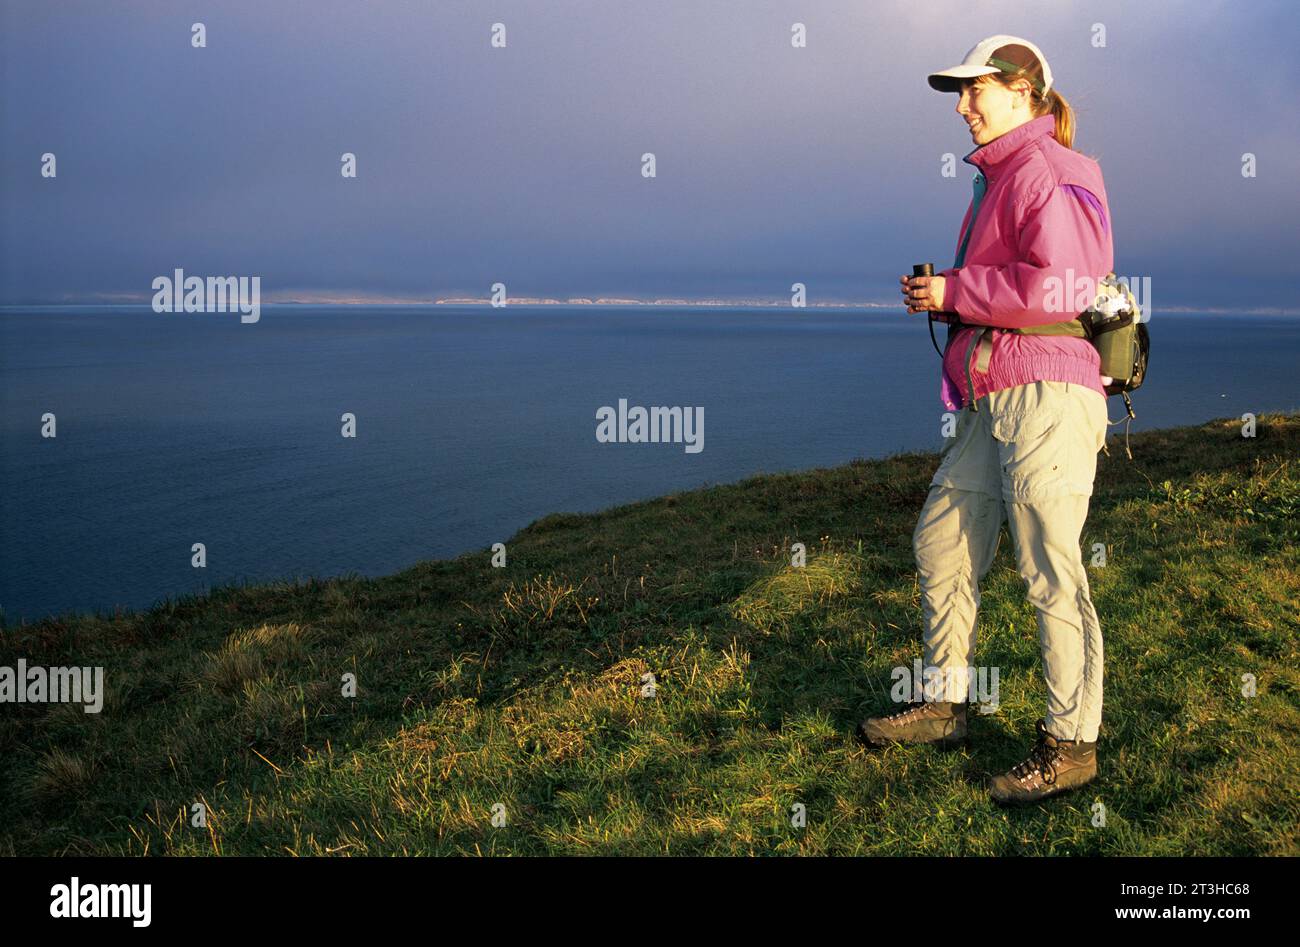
x,y
1009,55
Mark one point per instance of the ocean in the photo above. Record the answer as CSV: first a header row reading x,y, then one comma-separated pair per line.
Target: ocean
x,y
175,429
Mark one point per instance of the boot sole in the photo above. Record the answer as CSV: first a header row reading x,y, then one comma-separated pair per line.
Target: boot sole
x,y
1013,801
943,743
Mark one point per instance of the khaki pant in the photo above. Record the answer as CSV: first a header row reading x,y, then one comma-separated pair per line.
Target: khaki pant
x,y
1027,456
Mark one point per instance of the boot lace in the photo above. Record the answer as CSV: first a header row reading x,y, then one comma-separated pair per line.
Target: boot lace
x,y
1042,759
910,711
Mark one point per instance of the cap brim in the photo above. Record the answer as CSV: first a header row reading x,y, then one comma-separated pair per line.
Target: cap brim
x,y
950,79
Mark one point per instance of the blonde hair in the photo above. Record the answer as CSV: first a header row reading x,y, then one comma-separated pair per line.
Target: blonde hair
x,y
1052,103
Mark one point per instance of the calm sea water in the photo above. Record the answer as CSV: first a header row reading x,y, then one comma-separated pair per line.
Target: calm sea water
x,y
471,423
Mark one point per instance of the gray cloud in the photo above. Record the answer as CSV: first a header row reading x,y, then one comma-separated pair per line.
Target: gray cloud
x,y
522,164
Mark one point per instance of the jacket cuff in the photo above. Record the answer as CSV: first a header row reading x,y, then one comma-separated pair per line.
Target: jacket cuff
x,y
951,285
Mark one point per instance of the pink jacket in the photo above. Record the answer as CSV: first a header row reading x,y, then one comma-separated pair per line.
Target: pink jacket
x,y
1044,214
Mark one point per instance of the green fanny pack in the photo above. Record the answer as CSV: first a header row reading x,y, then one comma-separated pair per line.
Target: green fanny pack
x,y
1114,326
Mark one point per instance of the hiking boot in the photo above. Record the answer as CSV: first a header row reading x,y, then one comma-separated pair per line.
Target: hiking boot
x,y
934,722
1054,766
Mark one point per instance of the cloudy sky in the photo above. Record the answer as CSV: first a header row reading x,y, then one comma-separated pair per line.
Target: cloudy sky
x,y
522,165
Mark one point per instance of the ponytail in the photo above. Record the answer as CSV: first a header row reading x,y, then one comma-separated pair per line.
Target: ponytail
x,y
1054,104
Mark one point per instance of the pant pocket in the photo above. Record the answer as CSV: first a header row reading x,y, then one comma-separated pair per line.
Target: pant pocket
x,y
1024,413
1034,441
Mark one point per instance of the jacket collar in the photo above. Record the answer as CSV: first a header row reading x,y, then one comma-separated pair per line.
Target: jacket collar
x,y
988,157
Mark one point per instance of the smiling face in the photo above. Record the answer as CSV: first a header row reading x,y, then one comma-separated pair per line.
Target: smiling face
x,y
991,109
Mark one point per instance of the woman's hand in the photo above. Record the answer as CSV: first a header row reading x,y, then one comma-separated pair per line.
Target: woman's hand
x,y
923,293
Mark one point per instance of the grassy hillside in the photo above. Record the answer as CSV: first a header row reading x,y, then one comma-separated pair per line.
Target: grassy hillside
x,y
521,686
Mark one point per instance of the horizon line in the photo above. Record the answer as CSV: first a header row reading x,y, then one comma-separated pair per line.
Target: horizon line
x,y
599,302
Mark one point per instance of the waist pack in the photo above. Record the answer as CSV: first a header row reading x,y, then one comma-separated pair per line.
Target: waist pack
x,y
1114,326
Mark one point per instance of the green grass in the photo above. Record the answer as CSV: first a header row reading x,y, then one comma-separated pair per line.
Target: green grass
x,y
522,686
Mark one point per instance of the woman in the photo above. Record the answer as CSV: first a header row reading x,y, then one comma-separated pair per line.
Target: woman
x,y
1032,413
